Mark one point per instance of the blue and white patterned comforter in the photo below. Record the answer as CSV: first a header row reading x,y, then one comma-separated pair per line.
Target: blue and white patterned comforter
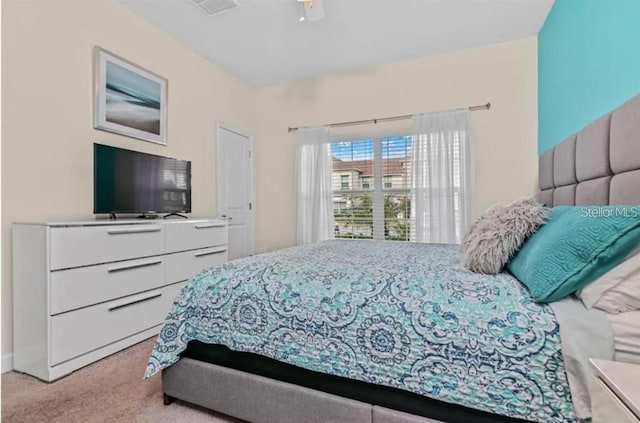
x,y
403,315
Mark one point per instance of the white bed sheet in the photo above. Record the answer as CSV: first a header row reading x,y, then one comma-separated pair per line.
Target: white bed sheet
x,y
626,334
584,334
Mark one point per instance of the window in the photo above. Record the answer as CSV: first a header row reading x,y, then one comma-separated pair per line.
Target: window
x,y
395,154
377,203
339,207
344,181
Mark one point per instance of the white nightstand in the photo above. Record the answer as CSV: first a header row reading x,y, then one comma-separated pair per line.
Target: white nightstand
x,y
615,392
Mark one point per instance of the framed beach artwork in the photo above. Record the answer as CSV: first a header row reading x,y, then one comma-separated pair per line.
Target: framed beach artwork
x,y
129,100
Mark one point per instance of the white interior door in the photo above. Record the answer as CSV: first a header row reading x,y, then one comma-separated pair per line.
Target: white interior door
x,y
235,189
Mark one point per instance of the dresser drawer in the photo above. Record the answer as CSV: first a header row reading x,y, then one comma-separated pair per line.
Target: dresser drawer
x,y
182,266
82,246
81,331
84,286
182,236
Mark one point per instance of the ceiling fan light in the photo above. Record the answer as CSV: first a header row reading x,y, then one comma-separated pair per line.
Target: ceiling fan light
x,y
314,10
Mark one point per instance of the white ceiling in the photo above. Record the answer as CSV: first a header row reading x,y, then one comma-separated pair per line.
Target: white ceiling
x,y
263,42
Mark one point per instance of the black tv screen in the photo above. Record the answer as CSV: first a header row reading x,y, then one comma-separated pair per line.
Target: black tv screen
x,y
127,181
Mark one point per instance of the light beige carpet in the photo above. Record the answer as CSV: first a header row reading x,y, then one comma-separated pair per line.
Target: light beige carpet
x,y
111,390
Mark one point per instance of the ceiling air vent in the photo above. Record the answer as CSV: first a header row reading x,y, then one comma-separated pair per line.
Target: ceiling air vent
x,y
213,7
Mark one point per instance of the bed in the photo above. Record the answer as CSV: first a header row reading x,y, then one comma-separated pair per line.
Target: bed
x,y
626,332
369,331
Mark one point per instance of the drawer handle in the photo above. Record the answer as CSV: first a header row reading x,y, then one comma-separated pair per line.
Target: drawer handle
x,y
133,266
208,253
132,231
210,225
117,306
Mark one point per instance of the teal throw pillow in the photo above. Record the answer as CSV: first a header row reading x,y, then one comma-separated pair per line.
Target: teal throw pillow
x,y
577,245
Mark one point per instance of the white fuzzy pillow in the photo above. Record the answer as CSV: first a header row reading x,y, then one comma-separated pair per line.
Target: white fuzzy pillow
x,y
499,233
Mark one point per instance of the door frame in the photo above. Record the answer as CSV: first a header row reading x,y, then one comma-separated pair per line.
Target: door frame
x,y
219,128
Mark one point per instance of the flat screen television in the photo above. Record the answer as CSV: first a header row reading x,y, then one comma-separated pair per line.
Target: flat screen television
x,y
128,181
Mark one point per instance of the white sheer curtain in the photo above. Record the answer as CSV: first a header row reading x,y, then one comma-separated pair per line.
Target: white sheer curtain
x,y
314,202
441,192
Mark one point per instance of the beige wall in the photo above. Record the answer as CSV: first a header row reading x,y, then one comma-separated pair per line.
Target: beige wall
x,y
47,134
505,137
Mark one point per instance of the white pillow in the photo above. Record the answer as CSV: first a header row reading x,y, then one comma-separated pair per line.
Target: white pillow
x,y
616,291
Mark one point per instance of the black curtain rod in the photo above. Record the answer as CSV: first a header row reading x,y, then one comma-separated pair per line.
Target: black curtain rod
x,y
391,118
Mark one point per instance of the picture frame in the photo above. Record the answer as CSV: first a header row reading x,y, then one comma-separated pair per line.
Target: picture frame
x,y
129,100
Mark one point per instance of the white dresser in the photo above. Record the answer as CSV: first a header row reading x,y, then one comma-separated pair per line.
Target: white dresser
x,y
84,290
615,392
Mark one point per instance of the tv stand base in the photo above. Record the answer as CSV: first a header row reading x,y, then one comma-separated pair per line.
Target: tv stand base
x,y
175,214
147,216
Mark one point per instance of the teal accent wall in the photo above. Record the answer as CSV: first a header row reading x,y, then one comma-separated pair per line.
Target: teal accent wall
x,y
588,63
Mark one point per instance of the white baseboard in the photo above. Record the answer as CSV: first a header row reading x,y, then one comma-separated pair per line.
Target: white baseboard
x,y
7,363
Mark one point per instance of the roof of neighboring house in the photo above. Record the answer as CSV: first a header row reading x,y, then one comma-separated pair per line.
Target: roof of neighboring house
x,y
390,166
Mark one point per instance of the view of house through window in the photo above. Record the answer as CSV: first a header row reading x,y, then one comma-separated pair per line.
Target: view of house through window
x,y
371,198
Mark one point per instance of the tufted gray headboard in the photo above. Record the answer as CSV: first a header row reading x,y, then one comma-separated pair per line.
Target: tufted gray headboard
x,y
598,165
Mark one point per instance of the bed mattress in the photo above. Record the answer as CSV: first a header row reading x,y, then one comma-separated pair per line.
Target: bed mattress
x,y
383,396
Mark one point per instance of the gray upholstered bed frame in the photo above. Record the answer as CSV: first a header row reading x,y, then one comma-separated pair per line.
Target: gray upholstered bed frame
x,y
258,399
598,165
